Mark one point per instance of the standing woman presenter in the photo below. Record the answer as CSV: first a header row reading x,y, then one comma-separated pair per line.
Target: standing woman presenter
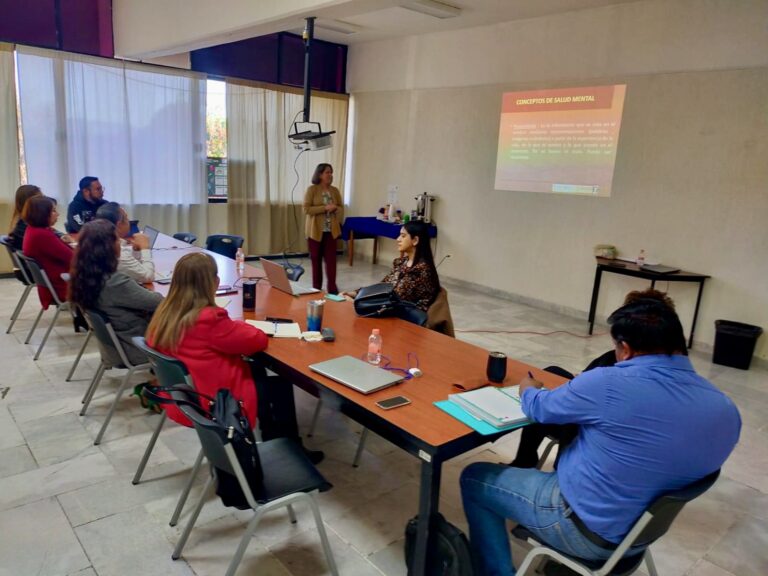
x,y
324,210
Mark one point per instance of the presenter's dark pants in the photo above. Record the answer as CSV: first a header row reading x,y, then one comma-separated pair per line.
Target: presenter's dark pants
x,y
324,250
534,434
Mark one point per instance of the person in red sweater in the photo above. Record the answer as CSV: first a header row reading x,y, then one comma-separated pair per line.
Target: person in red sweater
x,y
189,326
43,245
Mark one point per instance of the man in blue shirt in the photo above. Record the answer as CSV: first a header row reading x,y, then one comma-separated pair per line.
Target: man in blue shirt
x,y
647,426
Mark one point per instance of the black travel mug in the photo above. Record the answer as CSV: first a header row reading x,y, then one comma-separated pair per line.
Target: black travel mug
x,y
497,367
249,295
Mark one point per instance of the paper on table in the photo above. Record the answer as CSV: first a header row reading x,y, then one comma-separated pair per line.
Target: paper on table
x,y
278,330
222,302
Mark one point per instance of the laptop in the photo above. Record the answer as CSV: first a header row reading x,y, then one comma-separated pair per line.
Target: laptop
x,y
152,234
279,279
356,374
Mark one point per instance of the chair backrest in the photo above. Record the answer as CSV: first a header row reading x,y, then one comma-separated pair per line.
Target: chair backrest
x,y
215,444
39,276
224,244
24,276
439,315
666,508
169,371
187,237
105,334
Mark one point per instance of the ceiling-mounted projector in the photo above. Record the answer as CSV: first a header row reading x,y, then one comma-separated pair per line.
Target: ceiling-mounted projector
x,y
311,137
315,139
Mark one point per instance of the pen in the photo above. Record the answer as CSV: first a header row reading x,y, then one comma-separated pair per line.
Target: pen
x,y
530,375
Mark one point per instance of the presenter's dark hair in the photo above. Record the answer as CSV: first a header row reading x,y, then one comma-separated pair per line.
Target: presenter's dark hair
x,y
420,230
87,181
95,260
649,326
37,211
110,211
319,172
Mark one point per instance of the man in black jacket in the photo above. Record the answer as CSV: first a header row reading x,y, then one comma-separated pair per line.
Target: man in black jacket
x,y
83,207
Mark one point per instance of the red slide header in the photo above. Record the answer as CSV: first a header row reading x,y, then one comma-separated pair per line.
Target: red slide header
x,y
590,98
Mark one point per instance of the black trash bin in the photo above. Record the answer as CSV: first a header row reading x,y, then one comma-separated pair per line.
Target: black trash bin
x,y
735,343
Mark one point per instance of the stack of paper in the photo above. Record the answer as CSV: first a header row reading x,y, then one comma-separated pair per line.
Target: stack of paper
x,y
499,407
277,329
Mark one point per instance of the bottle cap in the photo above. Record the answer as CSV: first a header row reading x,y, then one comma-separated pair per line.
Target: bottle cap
x,y
376,332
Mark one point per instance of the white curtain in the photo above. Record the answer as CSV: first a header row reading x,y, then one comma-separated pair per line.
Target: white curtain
x,y
9,151
139,129
267,175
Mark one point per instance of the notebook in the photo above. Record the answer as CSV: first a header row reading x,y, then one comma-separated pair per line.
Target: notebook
x,y
279,279
277,329
356,374
499,407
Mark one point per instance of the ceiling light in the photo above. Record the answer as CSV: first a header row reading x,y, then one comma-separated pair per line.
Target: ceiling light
x,y
432,8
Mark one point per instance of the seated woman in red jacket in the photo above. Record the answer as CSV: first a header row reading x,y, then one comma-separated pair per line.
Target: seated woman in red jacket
x,y
189,326
43,245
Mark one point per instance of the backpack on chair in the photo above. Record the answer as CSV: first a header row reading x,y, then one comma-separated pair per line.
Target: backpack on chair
x,y
450,553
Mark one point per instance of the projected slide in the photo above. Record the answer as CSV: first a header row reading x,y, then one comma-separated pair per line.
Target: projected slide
x,y
561,140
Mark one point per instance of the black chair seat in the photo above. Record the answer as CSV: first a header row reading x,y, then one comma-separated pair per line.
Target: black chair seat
x,y
287,471
624,567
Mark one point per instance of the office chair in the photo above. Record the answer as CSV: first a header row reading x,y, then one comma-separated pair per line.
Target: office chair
x,y
170,372
23,276
113,355
289,478
652,525
224,244
41,279
187,237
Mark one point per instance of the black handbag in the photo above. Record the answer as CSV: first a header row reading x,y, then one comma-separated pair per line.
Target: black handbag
x,y
450,554
225,413
380,301
377,301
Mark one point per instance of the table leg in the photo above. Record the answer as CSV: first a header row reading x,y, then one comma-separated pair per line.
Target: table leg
x,y
695,313
375,249
429,497
351,247
595,293
653,284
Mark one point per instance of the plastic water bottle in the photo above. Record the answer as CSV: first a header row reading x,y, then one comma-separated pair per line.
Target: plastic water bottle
x,y
640,258
240,259
374,347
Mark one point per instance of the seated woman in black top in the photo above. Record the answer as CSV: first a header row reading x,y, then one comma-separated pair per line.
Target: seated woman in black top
x,y
413,274
18,226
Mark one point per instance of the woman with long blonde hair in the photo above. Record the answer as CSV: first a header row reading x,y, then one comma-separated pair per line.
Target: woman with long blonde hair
x,y
188,325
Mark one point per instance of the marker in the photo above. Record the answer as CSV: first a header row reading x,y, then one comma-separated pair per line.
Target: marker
x,y
530,375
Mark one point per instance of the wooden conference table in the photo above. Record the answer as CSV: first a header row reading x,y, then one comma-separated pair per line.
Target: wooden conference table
x,y
419,428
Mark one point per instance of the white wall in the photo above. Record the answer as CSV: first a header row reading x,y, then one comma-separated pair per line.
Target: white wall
x,y
692,166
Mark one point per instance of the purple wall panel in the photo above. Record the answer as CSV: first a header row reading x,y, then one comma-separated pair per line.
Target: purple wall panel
x,y
28,22
84,26
277,58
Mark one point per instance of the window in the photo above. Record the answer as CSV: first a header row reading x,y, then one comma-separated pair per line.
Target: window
x,y
216,128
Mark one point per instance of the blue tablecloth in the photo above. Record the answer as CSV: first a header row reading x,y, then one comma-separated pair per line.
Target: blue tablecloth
x,y
370,226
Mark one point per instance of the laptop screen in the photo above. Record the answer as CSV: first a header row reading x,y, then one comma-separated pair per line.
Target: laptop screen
x,y
152,234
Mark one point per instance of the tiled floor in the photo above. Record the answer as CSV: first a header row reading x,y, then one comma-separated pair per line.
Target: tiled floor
x,y
69,508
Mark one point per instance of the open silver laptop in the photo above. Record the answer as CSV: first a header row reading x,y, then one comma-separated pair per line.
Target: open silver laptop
x,y
279,279
152,234
356,374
